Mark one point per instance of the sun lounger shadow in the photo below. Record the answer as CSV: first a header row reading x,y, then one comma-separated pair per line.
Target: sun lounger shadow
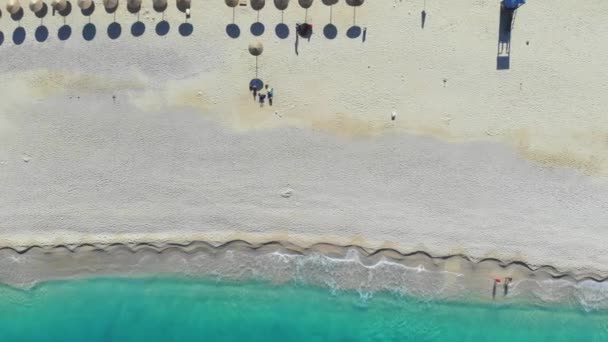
x,y
503,59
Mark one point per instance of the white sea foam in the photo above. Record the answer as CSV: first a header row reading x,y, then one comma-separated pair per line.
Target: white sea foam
x,y
338,270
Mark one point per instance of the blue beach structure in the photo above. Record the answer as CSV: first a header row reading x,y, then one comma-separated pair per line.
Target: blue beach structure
x,y
513,4
507,16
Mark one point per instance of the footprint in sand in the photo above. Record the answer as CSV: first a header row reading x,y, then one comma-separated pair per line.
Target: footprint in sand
x,y
287,192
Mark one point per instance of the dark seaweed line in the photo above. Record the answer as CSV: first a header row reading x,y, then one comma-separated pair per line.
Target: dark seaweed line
x,y
159,248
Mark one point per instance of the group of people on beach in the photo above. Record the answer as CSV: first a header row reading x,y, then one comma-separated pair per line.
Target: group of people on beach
x,y
261,94
506,282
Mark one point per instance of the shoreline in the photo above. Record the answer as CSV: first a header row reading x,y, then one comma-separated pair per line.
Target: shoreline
x,y
341,267
300,243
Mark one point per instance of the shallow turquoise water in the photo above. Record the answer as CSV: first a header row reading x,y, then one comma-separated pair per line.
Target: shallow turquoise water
x,y
190,310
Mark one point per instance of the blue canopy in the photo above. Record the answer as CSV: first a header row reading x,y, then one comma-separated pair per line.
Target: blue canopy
x,y
513,4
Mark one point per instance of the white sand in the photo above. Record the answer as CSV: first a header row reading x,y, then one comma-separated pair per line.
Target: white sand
x,y
504,163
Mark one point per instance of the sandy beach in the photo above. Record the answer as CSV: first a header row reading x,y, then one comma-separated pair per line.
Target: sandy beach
x,y
119,136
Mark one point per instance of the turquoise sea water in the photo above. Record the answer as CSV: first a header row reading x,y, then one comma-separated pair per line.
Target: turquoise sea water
x,y
165,309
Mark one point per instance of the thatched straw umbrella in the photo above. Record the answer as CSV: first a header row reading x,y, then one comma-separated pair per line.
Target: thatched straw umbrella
x,y
110,5
183,5
36,5
85,4
305,3
281,5
257,4
133,6
232,3
256,48
13,6
355,3
59,5
159,5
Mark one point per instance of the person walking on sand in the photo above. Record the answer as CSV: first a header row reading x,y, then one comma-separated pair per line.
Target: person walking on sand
x,y
507,283
262,96
270,94
496,281
252,90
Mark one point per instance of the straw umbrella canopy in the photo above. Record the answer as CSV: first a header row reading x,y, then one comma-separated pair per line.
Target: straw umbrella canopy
x,y
36,5
159,5
257,4
330,2
183,5
85,4
13,6
256,48
59,5
305,3
355,3
281,5
133,6
232,3
110,5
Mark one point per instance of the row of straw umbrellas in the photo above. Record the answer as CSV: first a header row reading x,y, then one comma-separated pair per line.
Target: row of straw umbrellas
x,y
283,4
37,6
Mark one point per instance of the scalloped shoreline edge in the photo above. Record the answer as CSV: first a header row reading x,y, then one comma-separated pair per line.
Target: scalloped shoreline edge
x,y
322,247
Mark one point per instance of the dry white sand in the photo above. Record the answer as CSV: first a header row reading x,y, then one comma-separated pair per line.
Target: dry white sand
x,y
483,162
